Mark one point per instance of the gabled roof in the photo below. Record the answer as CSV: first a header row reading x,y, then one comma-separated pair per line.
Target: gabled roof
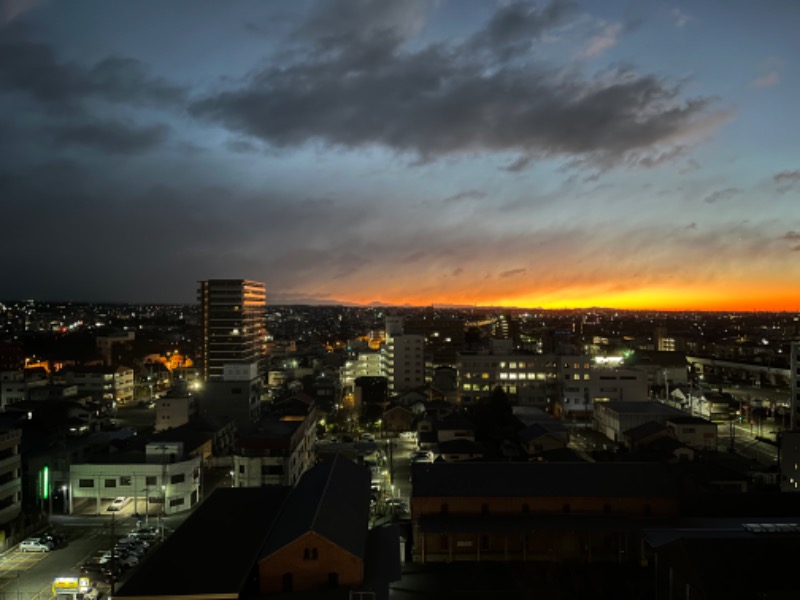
x,y
213,551
454,421
332,500
649,407
690,420
644,431
535,431
461,446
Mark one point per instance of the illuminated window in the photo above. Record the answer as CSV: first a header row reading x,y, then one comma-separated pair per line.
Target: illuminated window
x,y
586,376
484,376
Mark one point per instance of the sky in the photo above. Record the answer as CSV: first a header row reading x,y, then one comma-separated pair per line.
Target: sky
x,y
566,154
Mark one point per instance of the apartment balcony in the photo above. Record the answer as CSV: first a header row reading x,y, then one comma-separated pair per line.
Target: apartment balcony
x,y
9,463
9,513
10,487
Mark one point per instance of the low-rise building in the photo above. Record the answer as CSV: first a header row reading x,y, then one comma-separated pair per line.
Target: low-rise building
x,y
103,383
612,419
280,450
525,511
695,432
162,480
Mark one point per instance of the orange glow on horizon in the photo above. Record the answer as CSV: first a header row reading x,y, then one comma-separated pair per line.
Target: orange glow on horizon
x,y
754,297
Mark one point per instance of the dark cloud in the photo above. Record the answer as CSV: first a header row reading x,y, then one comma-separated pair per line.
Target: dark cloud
x,y
241,146
515,28
725,194
112,137
439,101
787,180
466,195
785,176
512,273
33,69
792,236
415,257
335,24
457,272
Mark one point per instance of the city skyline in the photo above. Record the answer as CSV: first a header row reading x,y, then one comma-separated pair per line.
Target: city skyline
x,y
550,154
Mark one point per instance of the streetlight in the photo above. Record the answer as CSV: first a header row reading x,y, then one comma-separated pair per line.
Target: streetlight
x,y
64,497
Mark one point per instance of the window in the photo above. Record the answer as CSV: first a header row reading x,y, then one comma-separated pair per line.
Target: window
x,y
241,469
125,480
176,502
110,483
150,480
86,483
310,554
180,478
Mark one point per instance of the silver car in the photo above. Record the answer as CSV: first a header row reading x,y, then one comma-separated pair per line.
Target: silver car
x,y
34,545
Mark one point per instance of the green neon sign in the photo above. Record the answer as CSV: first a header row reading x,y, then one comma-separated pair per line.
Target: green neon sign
x,y
44,482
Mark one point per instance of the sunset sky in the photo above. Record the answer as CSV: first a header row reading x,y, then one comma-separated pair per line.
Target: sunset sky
x,y
627,154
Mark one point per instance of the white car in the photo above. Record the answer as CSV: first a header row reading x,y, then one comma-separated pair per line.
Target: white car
x,y
422,456
34,545
118,503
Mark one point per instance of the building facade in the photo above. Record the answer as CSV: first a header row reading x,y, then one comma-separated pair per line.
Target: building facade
x,y
10,483
163,481
233,325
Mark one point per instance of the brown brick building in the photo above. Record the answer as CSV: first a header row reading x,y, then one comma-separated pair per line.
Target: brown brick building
x,y
536,511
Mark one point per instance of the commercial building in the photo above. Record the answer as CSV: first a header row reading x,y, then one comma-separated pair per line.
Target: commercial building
x,y
526,377
164,480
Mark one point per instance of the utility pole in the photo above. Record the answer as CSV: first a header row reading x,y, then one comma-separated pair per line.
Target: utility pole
x,y
113,555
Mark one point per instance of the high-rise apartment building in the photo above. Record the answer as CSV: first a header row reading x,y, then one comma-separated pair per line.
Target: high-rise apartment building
x,y
234,326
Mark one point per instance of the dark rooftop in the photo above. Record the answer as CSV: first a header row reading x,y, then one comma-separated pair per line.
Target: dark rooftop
x,y
214,551
331,499
541,479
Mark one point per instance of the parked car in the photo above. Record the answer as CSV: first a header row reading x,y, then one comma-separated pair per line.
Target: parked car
x,y
101,572
55,539
118,503
422,456
367,437
397,505
34,545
